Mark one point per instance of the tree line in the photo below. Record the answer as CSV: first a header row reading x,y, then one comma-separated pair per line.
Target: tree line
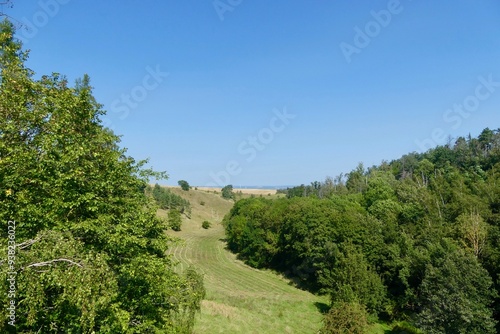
x,y
167,200
415,239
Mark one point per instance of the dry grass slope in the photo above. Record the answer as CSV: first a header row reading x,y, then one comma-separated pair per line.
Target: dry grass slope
x,y
239,299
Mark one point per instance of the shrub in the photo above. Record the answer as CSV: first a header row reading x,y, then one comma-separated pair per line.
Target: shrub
x,y
206,224
174,220
350,317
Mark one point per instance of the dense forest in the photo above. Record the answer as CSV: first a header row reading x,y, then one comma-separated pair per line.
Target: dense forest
x,y
85,251
413,240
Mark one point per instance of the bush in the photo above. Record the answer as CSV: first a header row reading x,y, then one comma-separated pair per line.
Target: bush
x,y
202,202
174,220
346,318
206,224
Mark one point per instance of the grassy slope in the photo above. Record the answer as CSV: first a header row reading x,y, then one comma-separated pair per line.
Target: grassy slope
x,y
239,299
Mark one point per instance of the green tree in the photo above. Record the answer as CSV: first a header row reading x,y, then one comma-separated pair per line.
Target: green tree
x,y
227,192
424,172
184,185
380,187
486,139
473,231
455,295
386,210
91,254
355,281
357,179
174,220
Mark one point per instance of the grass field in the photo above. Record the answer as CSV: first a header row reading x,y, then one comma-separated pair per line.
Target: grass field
x,y
239,299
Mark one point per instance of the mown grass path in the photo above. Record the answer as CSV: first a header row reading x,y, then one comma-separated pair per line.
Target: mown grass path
x,y
239,299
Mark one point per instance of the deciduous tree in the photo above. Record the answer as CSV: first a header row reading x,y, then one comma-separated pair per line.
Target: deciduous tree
x,y
91,254
184,185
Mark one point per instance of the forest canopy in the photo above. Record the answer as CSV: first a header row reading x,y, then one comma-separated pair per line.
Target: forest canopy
x,y
413,239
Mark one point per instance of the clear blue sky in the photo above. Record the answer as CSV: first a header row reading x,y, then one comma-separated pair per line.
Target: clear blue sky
x,y
364,80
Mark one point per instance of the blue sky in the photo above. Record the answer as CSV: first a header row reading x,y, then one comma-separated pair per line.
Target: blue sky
x,y
275,93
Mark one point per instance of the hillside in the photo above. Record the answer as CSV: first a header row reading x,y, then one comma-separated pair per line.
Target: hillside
x,y
239,299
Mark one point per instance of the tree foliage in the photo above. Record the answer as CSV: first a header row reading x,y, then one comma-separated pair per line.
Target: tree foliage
x,y
416,239
184,185
454,296
474,231
90,253
346,317
354,281
174,220
167,200
227,192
